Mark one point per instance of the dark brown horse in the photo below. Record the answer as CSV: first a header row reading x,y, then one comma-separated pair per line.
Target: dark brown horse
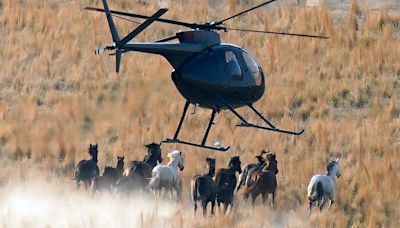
x,y
204,188
139,172
87,170
264,181
226,181
110,177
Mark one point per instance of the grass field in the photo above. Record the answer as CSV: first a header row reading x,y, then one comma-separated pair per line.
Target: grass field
x,y
56,98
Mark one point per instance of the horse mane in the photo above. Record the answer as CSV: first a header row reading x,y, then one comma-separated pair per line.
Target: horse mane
x,y
175,154
330,166
218,174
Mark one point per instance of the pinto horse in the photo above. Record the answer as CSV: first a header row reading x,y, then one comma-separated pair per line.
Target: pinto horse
x,y
323,187
87,170
245,178
264,181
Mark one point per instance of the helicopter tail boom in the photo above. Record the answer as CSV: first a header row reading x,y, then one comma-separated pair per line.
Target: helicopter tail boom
x,y
120,43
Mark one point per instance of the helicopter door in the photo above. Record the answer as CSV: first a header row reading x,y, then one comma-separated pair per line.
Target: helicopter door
x,y
253,68
232,66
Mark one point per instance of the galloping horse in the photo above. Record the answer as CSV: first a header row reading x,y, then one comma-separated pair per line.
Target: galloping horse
x,y
204,188
139,172
323,187
248,170
110,176
226,182
87,170
166,176
264,181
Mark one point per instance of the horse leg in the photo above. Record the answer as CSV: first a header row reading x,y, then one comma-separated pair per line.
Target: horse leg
x,y
253,199
264,196
77,184
330,203
310,203
178,189
212,206
204,204
273,200
225,207
195,207
323,201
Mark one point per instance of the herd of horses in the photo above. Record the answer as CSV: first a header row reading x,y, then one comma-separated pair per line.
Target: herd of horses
x,y
215,187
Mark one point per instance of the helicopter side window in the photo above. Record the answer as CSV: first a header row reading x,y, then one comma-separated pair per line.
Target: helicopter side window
x,y
232,66
253,68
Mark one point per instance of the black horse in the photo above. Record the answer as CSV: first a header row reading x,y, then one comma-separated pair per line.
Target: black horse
x,y
110,176
140,171
226,182
204,188
87,170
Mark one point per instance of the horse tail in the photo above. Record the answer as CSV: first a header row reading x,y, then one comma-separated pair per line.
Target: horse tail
x,y
242,179
317,192
195,188
154,181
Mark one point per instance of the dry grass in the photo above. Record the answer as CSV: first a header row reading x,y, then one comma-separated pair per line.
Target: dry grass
x,y
56,98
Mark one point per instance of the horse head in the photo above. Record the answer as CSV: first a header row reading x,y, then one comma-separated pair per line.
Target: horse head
x,y
93,152
260,160
211,162
235,164
272,163
211,165
177,157
154,153
120,163
333,168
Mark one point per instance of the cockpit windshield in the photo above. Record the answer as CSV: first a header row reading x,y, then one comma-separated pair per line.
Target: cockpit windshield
x,y
232,66
253,68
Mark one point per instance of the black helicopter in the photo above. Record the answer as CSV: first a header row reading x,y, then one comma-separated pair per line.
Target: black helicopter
x,y
207,73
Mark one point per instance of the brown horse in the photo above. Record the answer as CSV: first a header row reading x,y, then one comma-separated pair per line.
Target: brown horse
x,y
226,181
264,181
87,170
204,188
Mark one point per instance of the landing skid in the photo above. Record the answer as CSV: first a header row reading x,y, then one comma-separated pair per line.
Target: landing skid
x,y
203,142
247,124
222,149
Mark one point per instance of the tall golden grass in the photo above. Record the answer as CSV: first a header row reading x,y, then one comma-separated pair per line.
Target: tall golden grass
x,y
56,97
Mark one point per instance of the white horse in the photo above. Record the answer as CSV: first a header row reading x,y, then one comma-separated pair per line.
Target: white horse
x,y
323,187
166,176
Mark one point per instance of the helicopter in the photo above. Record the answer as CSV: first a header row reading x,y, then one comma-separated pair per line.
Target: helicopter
x,y
207,73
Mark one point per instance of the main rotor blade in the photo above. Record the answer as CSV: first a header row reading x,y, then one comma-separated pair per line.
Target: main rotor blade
x,y
279,33
114,12
243,12
126,19
142,26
